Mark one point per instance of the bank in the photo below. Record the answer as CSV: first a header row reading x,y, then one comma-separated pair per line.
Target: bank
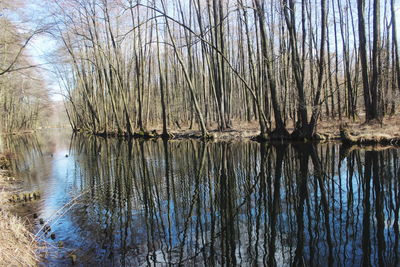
x,y
18,246
346,131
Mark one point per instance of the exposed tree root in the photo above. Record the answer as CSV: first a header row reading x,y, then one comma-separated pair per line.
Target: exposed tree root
x,y
368,138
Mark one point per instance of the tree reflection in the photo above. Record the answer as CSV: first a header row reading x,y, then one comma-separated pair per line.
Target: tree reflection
x,y
195,203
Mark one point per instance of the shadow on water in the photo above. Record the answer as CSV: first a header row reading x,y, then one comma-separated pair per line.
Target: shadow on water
x,y
239,203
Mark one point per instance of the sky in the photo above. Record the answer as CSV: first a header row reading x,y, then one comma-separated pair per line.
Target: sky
x,y
41,49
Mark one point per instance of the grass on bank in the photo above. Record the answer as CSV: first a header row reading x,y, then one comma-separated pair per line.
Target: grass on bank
x,y
18,245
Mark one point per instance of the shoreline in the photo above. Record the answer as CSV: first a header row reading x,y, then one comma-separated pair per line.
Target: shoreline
x,y
18,245
351,133
366,139
345,131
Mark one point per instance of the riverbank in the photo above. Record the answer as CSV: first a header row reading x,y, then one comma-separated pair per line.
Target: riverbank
x,y
346,131
382,133
18,245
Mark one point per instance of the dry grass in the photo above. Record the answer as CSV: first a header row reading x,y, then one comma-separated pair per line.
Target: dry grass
x,y
18,245
385,133
370,138
239,130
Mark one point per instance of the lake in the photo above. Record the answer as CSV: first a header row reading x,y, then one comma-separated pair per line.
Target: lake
x,y
186,202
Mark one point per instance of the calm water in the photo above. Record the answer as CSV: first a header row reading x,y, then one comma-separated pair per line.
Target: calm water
x,y
115,203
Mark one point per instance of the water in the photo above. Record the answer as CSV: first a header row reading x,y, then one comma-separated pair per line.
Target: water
x,y
115,203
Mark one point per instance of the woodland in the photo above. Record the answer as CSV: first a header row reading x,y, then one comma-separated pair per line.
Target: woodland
x,y
128,66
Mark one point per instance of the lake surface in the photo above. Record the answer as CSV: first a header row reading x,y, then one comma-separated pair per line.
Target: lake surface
x,y
159,203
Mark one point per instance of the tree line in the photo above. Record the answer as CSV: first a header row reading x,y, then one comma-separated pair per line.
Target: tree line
x,y
23,96
131,64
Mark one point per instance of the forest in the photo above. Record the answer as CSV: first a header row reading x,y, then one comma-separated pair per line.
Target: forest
x,y
126,67
23,96
283,64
